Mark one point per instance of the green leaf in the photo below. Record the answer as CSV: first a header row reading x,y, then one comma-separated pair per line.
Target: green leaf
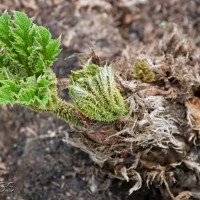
x,y
48,48
43,98
26,97
23,33
5,24
6,96
43,38
22,21
43,81
53,50
40,66
12,85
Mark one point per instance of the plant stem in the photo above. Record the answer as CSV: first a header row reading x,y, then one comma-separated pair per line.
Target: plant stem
x,y
67,112
63,110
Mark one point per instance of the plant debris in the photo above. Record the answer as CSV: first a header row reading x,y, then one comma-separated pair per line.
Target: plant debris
x,y
156,145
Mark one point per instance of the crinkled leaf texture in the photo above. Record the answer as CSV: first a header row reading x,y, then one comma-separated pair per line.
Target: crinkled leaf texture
x,y
94,93
26,55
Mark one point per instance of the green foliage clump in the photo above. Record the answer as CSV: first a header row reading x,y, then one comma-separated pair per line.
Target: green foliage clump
x,y
26,54
143,72
94,93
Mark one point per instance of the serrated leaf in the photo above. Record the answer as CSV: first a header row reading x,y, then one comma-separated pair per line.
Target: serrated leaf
x,y
39,66
11,84
22,21
23,40
21,49
30,82
43,37
5,23
26,97
43,98
43,81
52,50
48,48
6,96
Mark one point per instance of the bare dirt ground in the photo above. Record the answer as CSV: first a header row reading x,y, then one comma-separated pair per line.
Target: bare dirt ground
x,y
33,151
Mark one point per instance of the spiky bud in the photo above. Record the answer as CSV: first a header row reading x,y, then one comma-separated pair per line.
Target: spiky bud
x,y
143,72
94,93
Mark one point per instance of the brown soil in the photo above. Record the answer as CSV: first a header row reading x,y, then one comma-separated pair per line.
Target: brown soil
x,y
33,151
